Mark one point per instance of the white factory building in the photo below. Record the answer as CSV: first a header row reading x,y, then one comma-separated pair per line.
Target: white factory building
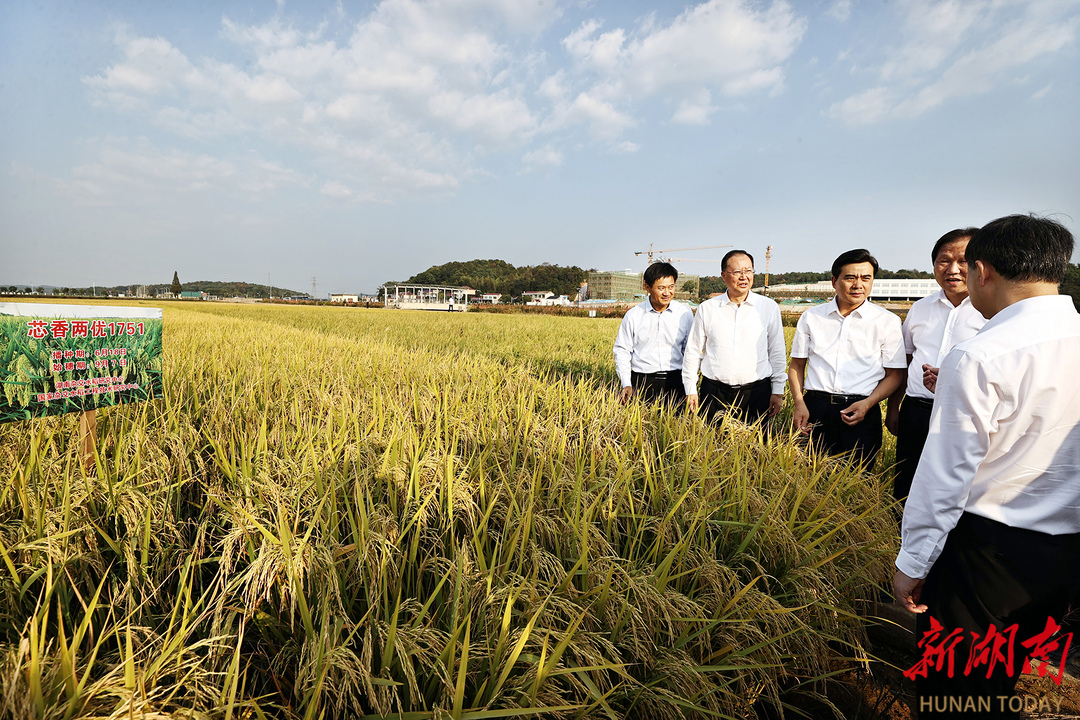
x,y
882,289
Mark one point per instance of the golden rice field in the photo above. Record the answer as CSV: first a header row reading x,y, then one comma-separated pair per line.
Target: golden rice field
x,y
340,513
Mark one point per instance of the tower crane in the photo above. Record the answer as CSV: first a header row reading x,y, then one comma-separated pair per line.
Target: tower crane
x,y
650,252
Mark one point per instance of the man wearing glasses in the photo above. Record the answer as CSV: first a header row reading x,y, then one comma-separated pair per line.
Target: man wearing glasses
x,y
737,341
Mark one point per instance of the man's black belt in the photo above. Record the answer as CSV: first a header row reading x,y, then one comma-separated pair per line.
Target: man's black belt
x,y
658,375
834,398
924,403
736,388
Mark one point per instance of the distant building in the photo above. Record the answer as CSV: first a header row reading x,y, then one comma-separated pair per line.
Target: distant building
x,y
193,295
628,286
426,297
344,298
534,297
491,298
891,289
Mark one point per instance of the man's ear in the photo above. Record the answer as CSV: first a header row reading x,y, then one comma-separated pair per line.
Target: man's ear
x,y
983,271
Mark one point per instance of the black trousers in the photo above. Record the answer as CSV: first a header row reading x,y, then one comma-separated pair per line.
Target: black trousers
x,y
911,434
657,387
748,402
990,574
833,436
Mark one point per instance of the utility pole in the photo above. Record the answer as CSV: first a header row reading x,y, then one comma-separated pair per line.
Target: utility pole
x,y
313,295
768,257
271,290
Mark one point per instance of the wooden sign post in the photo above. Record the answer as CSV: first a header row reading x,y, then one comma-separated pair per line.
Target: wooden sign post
x,y
87,439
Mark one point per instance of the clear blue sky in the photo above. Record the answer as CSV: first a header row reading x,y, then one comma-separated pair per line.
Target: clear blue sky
x,y
360,142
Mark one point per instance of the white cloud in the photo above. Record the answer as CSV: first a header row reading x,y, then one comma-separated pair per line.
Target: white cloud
x,y
336,189
728,45
695,110
1038,95
955,48
626,147
546,155
840,10
268,89
137,172
415,93
867,107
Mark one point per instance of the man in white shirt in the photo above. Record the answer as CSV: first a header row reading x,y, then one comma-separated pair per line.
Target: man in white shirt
x,y
737,340
651,340
990,541
933,326
847,356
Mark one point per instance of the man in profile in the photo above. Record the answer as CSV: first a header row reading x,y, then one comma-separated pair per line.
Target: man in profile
x,y
932,327
990,541
737,340
847,356
651,340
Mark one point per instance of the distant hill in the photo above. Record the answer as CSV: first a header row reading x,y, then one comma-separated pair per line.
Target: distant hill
x,y
491,276
211,287
234,289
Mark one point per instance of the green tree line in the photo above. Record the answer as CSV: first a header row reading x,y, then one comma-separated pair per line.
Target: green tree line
x,y
491,276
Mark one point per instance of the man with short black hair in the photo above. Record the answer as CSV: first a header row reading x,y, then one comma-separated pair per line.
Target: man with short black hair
x,y
932,327
738,342
850,354
652,338
991,529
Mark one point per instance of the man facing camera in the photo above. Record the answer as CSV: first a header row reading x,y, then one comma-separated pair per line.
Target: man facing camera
x,y
932,327
847,356
990,542
737,340
651,340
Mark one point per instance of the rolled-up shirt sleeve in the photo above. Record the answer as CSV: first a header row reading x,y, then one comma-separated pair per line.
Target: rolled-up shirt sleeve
x,y
969,402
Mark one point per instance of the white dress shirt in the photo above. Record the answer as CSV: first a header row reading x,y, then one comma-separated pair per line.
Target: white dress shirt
x,y
1004,437
848,355
932,327
650,341
736,344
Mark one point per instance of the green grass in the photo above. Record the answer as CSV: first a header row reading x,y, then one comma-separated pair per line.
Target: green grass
x,y
350,513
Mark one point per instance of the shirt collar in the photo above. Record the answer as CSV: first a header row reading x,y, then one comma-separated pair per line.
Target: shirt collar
x,y
725,299
858,312
647,305
942,297
1063,303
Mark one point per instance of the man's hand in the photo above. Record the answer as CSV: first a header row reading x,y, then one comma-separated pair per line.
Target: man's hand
x,y
853,414
692,403
801,417
892,418
929,377
775,403
907,590
626,394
